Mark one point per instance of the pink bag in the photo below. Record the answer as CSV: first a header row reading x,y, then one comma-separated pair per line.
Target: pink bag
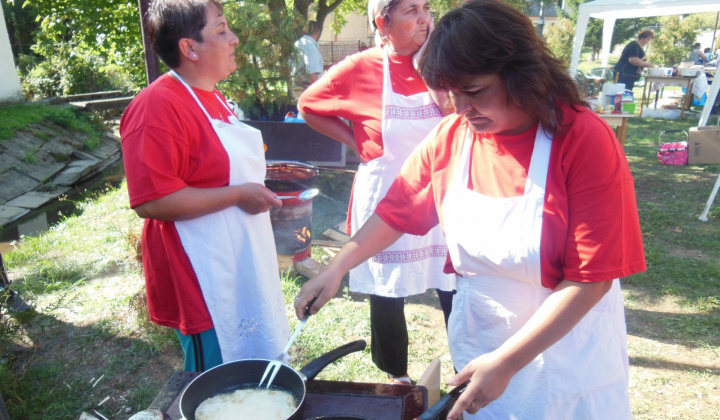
x,y
674,153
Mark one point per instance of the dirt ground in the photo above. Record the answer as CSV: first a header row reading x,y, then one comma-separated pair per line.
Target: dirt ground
x,y
668,380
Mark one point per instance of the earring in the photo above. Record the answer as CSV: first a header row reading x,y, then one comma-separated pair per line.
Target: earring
x,y
193,55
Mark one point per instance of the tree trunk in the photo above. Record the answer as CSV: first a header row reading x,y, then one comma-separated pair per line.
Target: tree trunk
x,y
302,7
324,10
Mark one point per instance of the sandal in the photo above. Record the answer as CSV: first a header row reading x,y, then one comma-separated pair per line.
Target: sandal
x,y
400,380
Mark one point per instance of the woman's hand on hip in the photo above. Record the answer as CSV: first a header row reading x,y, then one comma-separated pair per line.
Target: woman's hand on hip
x,y
333,127
255,198
489,380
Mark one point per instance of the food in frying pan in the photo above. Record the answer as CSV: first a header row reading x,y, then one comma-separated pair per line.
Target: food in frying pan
x,y
248,403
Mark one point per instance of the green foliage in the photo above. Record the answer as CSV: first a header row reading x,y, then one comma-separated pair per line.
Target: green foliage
x,y
84,46
558,36
673,41
266,43
30,157
65,117
21,25
70,72
624,29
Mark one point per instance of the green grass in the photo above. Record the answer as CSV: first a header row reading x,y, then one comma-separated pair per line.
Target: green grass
x,y
682,252
18,117
80,247
30,157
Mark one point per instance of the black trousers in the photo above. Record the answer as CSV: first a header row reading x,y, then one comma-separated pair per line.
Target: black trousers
x,y
389,334
628,80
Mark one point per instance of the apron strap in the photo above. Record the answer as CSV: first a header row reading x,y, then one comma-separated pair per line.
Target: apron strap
x,y
177,76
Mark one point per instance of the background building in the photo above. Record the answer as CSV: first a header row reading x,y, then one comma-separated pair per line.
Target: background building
x,y
10,86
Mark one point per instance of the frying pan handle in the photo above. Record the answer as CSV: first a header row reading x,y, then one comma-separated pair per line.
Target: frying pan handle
x,y
313,368
440,409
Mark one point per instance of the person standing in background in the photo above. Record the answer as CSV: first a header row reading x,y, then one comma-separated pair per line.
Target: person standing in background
x,y
632,60
696,55
382,94
195,174
307,66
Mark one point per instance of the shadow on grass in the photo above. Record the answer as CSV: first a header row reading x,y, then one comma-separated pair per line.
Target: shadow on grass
x,y
58,370
664,364
694,330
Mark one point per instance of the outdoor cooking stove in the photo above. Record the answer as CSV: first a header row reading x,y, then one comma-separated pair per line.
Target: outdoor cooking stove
x,y
292,223
292,226
325,399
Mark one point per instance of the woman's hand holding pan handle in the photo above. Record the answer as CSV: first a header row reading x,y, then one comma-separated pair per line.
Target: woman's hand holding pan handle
x,y
373,237
488,380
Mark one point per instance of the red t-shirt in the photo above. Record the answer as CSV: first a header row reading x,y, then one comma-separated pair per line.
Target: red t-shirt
x,y
352,89
168,144
591,230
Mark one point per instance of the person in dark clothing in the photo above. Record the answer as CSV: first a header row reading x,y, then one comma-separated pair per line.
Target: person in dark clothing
x,y
632,59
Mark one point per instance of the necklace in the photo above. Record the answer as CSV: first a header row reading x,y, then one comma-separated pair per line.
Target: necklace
x,y
212,104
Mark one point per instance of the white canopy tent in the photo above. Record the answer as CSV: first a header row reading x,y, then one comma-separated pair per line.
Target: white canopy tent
x,y
611,10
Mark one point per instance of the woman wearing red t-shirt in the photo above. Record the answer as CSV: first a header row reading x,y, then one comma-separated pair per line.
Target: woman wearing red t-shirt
x,y
536,199
380,91
195,174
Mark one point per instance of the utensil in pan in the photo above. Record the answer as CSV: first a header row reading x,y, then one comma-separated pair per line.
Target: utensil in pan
x,y
440,409
274,365
303,196
245,373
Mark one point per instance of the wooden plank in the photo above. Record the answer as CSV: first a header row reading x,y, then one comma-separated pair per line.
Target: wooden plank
x,y
335,235
332,252
87,96
308,267
103,104
328,244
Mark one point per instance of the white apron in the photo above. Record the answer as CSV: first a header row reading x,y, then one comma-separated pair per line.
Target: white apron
x,y
494,244
413,264
233,255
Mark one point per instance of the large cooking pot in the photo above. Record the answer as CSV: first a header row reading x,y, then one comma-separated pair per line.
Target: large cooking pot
x,y
288,175
247,373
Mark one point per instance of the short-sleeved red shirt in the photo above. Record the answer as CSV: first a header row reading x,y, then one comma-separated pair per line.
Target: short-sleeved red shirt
x,y
591,230
352,89
168,144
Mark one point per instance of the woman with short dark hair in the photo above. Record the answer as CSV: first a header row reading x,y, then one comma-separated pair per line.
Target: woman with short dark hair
x,y
536,199
195,174
632,59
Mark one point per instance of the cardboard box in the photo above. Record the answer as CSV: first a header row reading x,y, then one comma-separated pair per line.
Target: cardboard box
x,y
704,145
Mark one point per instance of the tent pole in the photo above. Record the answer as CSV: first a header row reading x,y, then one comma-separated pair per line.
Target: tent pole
x,y
712,44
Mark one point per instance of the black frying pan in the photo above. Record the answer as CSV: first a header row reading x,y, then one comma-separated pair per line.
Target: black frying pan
x,y
247,373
